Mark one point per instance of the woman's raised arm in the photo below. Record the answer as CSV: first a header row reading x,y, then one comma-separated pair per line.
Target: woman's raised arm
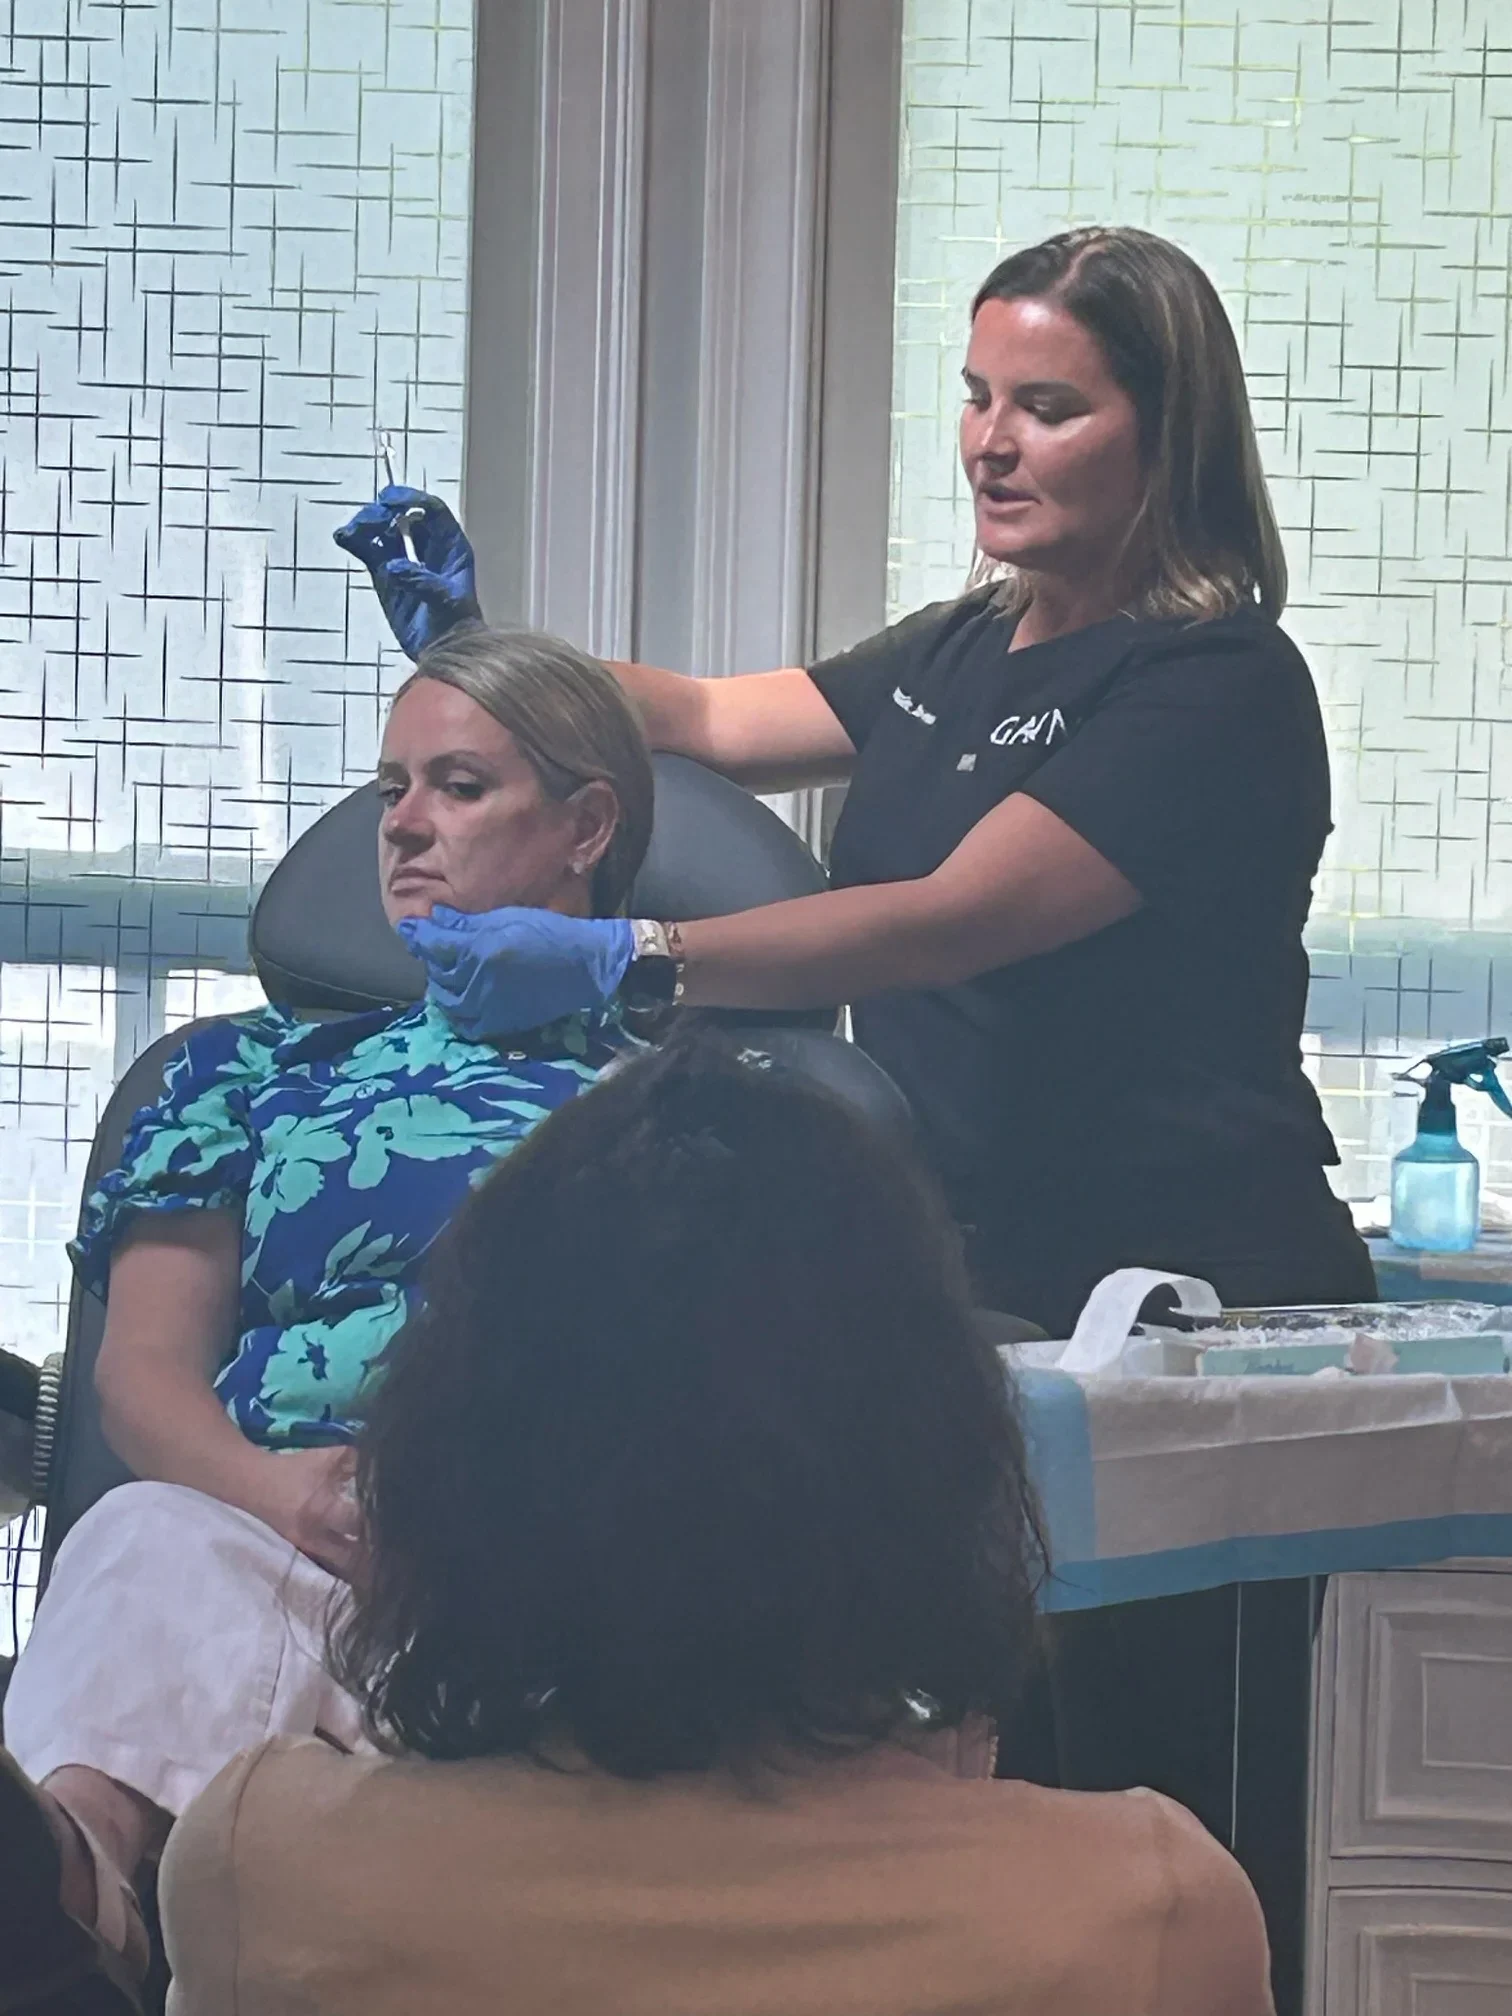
x,y
772,731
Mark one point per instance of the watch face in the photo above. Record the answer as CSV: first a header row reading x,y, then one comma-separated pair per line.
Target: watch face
x,y
652,979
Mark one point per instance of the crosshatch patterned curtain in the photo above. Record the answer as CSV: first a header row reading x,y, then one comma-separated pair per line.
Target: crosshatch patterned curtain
x,y
1345,174
233,238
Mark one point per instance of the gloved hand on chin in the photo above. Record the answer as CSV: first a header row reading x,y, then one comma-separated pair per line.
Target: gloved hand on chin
x,y
499,972
425,597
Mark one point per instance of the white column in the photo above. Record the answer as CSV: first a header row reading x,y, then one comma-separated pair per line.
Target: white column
x,y
669,498
753,562
580,578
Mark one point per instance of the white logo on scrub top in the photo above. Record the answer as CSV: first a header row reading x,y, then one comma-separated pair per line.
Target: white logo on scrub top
x,y
911,706
1029,728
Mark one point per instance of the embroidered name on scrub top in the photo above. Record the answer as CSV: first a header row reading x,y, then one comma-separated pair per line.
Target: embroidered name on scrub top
x,y
911,706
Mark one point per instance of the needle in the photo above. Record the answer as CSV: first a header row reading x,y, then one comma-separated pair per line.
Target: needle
x,y
386,450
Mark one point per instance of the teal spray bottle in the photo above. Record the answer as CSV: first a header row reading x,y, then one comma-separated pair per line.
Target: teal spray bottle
x,y
1435,1181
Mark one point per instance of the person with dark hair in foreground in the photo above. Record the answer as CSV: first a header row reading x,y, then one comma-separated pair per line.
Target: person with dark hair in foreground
x,y
700,1545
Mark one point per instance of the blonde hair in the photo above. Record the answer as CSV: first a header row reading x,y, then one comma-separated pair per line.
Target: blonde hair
x,y
569,720
1206,520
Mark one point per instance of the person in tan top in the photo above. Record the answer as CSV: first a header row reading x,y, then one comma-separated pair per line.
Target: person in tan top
x,y
700,1546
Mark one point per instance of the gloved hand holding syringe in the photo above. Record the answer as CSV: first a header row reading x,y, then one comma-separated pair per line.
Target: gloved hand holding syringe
x,y
413,514
419,558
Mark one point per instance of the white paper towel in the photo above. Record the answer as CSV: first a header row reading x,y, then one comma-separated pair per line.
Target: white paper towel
x,y
1102,1329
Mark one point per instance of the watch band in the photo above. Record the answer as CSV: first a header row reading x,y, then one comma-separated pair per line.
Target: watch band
x,y
655,976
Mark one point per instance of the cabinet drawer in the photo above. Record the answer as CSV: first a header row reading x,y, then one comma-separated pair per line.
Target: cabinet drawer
x,y
1423,1716
1419,1953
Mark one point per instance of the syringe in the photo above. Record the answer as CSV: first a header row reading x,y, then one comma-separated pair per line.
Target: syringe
x,y
414,515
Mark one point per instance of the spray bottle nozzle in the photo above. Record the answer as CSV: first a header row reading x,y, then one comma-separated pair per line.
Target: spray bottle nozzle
x,y
1472,1064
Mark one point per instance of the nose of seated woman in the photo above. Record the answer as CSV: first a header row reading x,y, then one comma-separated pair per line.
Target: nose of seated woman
x,y
471,822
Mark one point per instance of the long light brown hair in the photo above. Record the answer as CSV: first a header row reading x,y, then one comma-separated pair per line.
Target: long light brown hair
x,y
1205,526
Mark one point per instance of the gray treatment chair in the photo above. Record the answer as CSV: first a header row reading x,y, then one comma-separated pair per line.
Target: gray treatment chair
x,y
321,944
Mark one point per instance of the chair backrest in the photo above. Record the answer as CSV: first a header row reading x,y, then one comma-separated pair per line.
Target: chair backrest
x,y
321,945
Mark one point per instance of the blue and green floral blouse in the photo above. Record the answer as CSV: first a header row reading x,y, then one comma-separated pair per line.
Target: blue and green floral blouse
x,y
346,1146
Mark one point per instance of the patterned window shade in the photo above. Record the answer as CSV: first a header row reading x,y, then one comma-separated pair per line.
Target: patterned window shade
x,y
233,239
1345,177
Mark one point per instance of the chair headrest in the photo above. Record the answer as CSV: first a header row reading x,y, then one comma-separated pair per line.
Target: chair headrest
x,y
319,938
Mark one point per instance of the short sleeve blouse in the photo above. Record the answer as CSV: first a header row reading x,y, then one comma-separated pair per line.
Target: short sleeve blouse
x,y
345,1147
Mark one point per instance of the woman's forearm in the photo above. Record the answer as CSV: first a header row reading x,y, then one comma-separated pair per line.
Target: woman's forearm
x,y
670,706
170,1322
772,731
167,1424
820,951
171,1428
1020,884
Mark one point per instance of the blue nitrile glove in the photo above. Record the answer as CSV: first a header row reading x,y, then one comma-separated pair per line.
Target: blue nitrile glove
x,y
425,597
497,972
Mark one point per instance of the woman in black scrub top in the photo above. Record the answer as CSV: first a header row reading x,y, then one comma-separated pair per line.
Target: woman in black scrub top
x,y
1087,802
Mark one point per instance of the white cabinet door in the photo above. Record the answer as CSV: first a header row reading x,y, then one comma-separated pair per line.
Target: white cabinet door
x,y
1419,1953
1422,1740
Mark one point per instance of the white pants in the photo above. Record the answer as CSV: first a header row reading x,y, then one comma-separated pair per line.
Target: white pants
x,y
175,1632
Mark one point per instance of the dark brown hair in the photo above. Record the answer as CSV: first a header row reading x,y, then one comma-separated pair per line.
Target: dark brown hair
x,y
695,1454
1206,519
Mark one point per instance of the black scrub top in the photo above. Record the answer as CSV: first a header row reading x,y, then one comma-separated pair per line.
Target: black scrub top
x,y
1165,1047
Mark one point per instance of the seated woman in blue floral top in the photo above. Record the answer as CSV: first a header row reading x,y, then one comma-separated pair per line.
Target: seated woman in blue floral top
x,y
260,1242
